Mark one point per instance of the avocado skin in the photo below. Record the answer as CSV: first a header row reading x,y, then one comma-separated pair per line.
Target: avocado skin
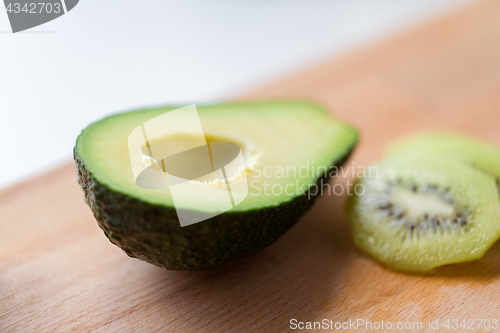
x,y
152,232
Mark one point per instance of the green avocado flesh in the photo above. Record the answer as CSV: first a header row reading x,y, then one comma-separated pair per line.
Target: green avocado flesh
x,y
286,149
421,211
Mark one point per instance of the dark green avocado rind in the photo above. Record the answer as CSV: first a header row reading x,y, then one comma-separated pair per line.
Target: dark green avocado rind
x,y
152,232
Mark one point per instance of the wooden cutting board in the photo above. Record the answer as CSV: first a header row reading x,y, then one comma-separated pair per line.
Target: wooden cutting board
x,y
59,273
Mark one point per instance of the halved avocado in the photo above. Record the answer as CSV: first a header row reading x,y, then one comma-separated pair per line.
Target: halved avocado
x,y
289,151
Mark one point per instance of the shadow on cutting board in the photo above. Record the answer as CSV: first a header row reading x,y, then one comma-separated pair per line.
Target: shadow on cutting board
x,y
290,279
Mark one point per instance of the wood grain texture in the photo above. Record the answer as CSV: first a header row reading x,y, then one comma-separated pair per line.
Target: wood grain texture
x,y
59,273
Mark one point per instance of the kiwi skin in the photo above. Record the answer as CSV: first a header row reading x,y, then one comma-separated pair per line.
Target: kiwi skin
x,y
375,234
478,154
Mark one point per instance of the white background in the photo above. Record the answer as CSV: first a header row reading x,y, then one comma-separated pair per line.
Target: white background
x,y
111,55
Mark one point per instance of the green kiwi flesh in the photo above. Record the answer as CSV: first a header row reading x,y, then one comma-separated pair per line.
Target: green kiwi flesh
x,y
480,155
418,212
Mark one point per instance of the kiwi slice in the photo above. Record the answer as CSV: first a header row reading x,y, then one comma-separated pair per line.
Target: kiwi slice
x,y
480,155
416,212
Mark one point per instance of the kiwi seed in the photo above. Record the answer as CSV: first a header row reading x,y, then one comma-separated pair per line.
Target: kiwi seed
x,y
426,220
